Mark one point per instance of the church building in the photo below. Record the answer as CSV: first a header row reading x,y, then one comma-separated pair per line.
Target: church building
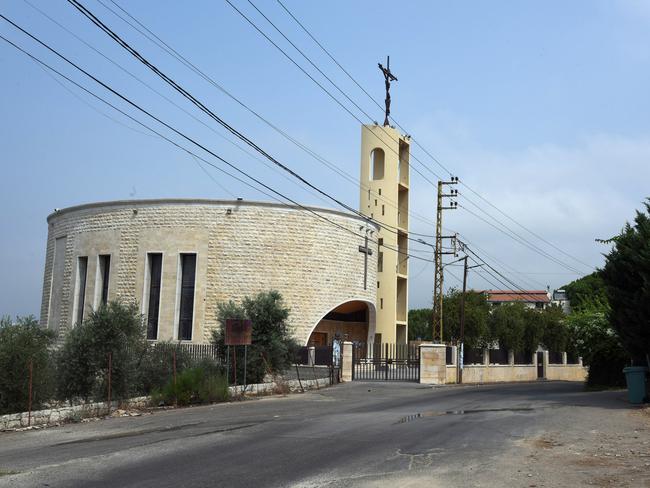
x,y
341,274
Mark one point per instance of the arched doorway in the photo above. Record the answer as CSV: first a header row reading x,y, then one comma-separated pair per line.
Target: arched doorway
x,y
351,321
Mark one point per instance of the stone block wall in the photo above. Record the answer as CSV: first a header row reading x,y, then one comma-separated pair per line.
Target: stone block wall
x,y
242,248
433,367
566,372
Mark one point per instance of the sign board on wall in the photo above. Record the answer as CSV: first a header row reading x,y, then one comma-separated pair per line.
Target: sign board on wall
x,y
239,332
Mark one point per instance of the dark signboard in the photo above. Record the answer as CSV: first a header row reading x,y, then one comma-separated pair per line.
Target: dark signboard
x,y
239,332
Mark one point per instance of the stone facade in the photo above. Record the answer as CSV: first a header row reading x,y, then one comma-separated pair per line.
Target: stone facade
x,y
241,248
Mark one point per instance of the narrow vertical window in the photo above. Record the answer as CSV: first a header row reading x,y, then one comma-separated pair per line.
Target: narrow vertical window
x,y
82,269
383,209
377,164
186,309
155,274
56,284
103,277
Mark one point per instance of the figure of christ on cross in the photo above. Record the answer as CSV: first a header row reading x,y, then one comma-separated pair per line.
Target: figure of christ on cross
x,y
388,77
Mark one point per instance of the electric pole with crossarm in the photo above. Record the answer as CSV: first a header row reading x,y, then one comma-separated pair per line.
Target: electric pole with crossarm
x,y
439,252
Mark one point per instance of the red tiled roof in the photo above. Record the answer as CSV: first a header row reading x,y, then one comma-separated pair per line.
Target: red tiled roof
x,y
517,296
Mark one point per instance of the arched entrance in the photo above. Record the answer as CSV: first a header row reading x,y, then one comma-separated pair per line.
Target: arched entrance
x,y
351,321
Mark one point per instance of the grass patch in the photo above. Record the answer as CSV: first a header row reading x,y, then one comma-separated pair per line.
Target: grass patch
x,y
7,472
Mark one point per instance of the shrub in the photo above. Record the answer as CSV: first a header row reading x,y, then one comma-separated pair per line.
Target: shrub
x,y
598,344
156,365
114,328
627,282
273,346
21,342
193,385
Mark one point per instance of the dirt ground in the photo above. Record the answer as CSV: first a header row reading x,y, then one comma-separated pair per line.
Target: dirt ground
x,y
608,448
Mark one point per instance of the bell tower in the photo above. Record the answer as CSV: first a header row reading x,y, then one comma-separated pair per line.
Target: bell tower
x,y
384,187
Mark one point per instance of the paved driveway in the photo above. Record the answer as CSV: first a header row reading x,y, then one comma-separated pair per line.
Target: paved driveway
x,y
355,434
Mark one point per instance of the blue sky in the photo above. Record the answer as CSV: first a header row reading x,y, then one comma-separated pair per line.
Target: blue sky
x,y
539,106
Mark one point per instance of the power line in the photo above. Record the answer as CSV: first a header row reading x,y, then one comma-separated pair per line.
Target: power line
x,y
156,40
189,139
527,229
530,246
95,20
425,150
134,105
338,102
498,275
361,87
506,266
172,102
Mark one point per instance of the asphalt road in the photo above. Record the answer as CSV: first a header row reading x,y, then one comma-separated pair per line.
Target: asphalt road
x,y
355,434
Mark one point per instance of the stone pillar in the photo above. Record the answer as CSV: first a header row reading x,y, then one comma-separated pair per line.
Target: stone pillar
x,y
511,358
346,361
545,363
580,361
564,358
311,356
433,364
486,357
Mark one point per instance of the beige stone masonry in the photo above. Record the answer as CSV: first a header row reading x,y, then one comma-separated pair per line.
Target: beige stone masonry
x,y
346,361
433,367
311,256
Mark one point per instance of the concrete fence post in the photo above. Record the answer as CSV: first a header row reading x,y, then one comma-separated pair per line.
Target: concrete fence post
x,y
311,356
454,355
564,358
346,361
511,358
545,364
433,364
486,357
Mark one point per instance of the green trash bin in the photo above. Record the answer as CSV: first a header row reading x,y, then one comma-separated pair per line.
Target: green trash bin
x,y
635,378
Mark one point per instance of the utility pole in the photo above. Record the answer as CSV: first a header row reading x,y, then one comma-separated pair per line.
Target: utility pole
x,y
438,276
461,350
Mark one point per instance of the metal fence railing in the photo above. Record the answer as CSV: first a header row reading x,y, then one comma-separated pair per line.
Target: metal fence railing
x,y
523,357
572,358
473,356
499,356
554,357
449,356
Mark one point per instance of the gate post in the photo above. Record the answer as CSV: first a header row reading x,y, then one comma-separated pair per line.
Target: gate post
x,y
311,356
433,364
346,361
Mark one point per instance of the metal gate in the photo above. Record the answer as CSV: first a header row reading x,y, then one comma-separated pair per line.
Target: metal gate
x,y
385,362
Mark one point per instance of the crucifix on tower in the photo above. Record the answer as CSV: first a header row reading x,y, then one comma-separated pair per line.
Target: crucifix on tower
x,y
388,76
